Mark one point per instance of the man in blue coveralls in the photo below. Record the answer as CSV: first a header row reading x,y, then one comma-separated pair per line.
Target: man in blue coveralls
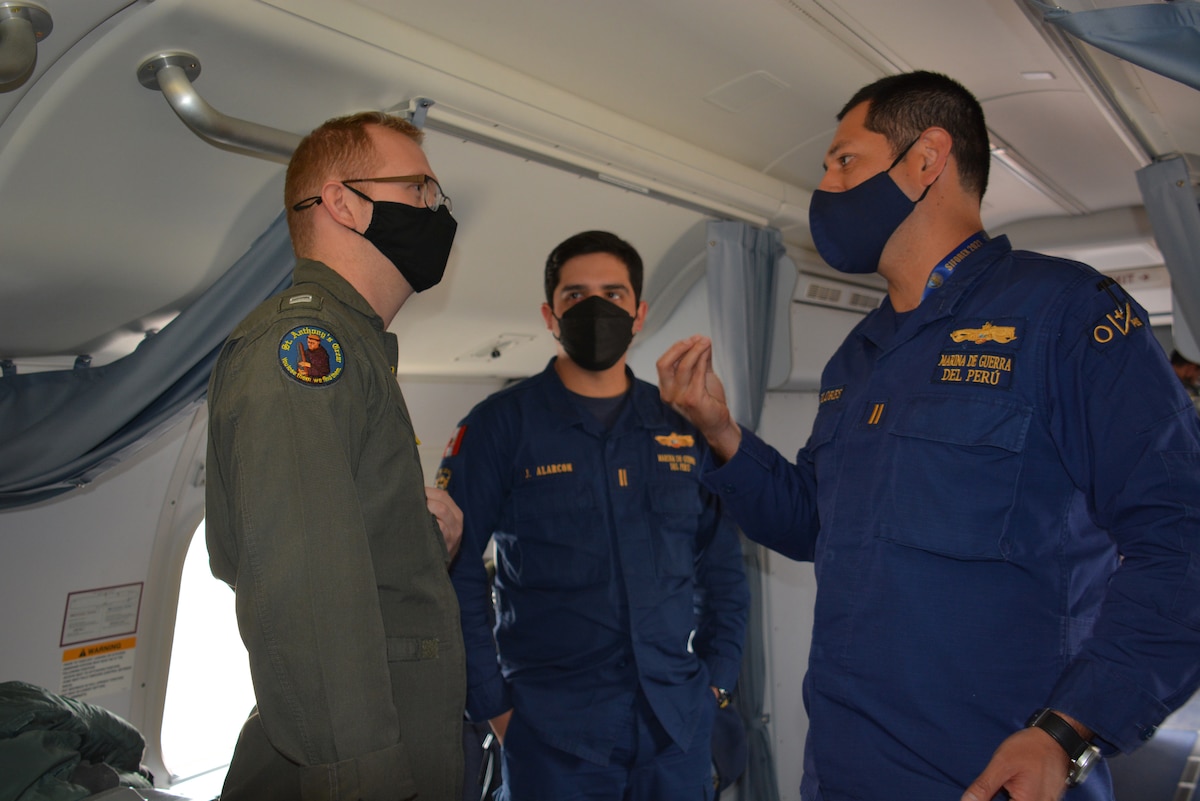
x,y
1000,491
621,601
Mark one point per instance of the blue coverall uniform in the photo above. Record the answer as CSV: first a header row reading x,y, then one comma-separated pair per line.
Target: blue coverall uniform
x,y
1000,494
603,541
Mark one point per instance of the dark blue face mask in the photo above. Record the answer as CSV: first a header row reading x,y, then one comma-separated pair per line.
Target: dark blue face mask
x,y
851,228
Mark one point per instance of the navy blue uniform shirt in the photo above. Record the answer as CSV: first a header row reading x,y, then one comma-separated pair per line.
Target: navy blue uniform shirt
x,y
975,476
609,553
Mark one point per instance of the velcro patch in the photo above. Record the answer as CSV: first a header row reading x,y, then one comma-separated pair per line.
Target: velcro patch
x,y
1116,325
677,462
674,440
443,478
832,394
302,300
312,356
978,368
455,442
985,333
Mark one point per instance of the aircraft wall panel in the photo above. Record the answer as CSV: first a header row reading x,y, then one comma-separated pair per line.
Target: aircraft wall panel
x,y
97,537
791,589
690,317
436,406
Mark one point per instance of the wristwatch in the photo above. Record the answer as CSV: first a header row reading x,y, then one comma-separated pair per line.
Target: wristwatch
x,y
1083,755
723,698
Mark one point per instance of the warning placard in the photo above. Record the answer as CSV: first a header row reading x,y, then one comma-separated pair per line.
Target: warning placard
x,y
98,669
101,613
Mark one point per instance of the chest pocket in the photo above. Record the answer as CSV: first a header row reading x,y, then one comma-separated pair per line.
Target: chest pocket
x,y
829,418
675,507
556,539
952,475
826,425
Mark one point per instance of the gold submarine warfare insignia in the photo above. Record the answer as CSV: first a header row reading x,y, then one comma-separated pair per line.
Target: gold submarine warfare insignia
x,y
988,333
674,440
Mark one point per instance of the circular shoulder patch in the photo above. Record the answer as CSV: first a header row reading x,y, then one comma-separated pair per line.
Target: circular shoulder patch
x,y
312,355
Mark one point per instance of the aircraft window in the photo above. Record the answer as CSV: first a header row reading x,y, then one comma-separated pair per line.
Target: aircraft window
x,y
209,693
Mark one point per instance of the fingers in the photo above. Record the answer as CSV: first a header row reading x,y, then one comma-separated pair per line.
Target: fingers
x,y
500,725
442,506
1029,765
687,383
666,365
673,353
677,367
692,371
449,517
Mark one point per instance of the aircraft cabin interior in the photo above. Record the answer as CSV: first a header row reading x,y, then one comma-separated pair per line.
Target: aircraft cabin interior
x,y
143,145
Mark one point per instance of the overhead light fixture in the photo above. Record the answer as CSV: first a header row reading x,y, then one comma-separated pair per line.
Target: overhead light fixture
x,y
615,181
495,349
1028,175
1038,75
22,26
597,156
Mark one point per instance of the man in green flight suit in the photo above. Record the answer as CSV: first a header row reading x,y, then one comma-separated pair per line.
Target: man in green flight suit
x,y
317,513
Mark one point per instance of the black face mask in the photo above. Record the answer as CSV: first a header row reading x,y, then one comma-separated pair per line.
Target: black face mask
x,y
595,333
414,239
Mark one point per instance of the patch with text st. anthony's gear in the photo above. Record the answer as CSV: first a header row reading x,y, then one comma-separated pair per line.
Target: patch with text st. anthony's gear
x,y
312,355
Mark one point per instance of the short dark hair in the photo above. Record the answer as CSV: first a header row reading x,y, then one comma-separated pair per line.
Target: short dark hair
x,y
593,242
902,106
1178,359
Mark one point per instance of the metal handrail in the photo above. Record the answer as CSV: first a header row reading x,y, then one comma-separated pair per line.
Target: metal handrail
x,y
173,73
22,26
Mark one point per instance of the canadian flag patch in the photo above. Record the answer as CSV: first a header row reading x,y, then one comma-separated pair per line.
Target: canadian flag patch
x,y
455,442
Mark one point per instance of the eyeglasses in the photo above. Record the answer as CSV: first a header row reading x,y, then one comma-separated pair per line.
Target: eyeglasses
x,y
428,191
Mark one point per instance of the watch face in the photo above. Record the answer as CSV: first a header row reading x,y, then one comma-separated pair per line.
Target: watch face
x,y
1083,764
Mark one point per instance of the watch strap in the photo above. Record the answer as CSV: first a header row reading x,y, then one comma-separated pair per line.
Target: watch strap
x,y
1082,753
1062,732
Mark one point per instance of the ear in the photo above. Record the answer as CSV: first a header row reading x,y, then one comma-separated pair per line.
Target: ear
x,y
639,319
933,153
548,316
345,207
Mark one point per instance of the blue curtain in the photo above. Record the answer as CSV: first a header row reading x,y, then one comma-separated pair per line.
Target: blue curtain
x,y
1163,38
743,265
1170,203
61,429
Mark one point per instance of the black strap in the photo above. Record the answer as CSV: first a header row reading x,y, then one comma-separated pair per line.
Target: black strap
x,y
1062,732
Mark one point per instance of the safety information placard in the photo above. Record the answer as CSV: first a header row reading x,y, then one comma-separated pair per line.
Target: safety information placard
x,y
101,614
98,669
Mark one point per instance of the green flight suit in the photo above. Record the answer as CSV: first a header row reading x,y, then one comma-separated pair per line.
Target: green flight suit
x,y
316,516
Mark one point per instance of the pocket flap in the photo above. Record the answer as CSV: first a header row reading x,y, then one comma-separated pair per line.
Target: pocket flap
x,y
965,421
